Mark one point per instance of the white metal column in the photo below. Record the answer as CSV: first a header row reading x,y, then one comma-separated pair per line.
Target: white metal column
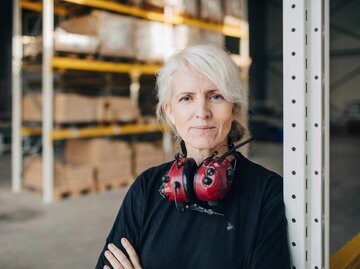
x,y
47,90
306,129
16,146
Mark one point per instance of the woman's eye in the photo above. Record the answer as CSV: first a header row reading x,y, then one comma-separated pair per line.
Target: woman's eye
x,y
217,97
184,99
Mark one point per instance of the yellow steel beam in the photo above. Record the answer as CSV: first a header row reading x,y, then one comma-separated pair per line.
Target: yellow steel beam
x,y
26,131
38,7
103,66
348,256
156,16
67,133
104,131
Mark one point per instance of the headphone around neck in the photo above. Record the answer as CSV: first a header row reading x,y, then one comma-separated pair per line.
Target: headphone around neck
x,y
186,182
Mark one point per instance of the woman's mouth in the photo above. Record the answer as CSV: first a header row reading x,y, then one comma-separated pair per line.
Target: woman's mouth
x,y
203,128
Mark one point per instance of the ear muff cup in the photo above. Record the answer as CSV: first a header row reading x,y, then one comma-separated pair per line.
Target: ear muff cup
x,y
190,169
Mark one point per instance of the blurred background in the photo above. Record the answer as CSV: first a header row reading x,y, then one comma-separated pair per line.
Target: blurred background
x,y
105,57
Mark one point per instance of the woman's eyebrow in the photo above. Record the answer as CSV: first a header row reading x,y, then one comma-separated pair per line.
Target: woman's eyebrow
x,y
184,93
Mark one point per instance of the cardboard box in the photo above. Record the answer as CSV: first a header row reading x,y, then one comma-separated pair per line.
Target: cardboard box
x,y
114,31
184,7
153,41
147,155
185,36
68,108
211,10
234,8
66,176
96,151
113,109
213,38
115,171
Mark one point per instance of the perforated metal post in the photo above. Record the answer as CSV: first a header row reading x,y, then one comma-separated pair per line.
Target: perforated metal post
x,y
306,175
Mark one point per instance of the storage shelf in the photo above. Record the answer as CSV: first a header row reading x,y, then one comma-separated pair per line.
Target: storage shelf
x,y
68,133
38,7
103,66
228,30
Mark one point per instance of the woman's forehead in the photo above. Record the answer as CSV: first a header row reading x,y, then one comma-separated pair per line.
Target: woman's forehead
x,y
184,79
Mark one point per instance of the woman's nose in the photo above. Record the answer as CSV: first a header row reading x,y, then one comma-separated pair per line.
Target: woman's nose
x,y
202,109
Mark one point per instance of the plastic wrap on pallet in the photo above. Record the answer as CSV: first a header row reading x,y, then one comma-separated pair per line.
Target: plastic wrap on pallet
x,y
66,175
32,46
184,7
211,10
114,31
185,36
213,38
112,109
69,42
234,8
68,108
153,41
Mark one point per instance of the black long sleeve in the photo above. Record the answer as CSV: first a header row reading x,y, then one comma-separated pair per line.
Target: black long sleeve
x,y
166,238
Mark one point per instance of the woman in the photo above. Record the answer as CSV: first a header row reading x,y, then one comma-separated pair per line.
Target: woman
x,y
201,98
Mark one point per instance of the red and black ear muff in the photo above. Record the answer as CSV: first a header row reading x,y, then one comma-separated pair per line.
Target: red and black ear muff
x,y
210,182
177,184
213,179
186,182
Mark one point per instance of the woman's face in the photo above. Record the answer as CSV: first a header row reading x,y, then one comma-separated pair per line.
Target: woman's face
x,y
198,110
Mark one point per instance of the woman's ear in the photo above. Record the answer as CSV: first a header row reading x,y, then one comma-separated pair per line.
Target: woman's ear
x,y
169,114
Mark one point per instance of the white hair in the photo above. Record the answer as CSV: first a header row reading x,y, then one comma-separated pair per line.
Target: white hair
x,y
215,64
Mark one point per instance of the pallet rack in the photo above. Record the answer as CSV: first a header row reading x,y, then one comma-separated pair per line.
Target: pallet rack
x,y
51,63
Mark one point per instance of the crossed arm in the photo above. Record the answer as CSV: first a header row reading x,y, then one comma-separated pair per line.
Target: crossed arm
x,y
119,260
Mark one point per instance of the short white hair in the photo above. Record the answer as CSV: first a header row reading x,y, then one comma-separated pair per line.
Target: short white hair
x,y
215,64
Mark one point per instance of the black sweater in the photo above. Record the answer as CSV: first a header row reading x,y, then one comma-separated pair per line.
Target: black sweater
x,y
166,238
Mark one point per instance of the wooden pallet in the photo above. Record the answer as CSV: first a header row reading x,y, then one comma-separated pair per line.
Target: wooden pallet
x,y
64,192
114,184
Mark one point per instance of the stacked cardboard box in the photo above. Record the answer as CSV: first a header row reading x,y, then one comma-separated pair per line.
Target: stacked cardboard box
x,y
234,8
147,154
110,108
76,108
153,41
111,160
67,176
185,36
211,10
184,7
114,31
213,38
68,108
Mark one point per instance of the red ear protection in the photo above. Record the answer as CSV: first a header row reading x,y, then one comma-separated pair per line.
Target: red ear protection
x,y
209,182
187,182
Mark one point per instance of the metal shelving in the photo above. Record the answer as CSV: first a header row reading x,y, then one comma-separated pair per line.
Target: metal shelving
x,y
70,133
51,63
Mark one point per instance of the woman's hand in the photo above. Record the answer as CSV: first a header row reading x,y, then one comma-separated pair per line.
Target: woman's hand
x,y
118,259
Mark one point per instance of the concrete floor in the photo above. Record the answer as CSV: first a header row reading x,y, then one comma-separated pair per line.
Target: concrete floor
x,y
70,233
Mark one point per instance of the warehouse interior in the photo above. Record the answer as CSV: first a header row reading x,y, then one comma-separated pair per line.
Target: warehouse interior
x,y
93,103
